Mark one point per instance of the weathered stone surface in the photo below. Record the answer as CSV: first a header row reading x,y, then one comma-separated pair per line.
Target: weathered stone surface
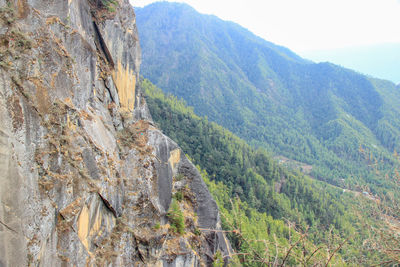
x,y
86,179
163,147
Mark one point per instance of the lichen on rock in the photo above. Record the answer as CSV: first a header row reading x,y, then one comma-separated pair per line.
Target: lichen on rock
x,y
87,179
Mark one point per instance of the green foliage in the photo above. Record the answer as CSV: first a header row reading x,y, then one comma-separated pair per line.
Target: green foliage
x,y
263,192
319,114
218,260
197,231
110,5
262,240
179,177
344,124
157,226
250,174
176,218
178,196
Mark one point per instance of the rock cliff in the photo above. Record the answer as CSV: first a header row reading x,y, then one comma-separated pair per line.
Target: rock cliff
x,y
86,179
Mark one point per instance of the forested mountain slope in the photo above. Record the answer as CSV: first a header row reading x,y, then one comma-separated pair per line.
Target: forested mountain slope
x,y
265,201
339,121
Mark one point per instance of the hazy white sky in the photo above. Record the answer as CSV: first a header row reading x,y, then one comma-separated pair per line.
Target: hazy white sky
x,y
309,24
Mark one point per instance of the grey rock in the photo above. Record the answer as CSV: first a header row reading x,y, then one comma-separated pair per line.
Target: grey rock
x,y
141,111
163,148
85,175
90,163
183,261
112,90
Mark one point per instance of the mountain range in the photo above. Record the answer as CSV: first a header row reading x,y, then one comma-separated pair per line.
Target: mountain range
x,y
342,123
90,178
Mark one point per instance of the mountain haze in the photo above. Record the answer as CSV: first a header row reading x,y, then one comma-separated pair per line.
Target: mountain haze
x,y
382,60
320,114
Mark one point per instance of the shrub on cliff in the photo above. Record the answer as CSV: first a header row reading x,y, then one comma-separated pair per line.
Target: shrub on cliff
x,y
176,218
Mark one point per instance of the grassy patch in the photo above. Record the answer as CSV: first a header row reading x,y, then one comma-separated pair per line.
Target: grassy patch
x,y
110,5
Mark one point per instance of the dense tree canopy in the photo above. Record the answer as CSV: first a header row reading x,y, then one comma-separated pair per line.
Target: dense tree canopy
x,y
319,114
265,193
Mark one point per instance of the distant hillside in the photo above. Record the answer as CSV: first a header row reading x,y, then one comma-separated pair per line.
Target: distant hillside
x,y
381,61
257,195
344,124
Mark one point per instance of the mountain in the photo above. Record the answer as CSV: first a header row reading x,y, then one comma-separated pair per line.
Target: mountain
x,y
381,61
263,198
344,124
86,178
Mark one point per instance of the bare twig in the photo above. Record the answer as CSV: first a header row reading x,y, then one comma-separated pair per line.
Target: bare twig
x,y
382,263
276,251
290,249
336,250
312,255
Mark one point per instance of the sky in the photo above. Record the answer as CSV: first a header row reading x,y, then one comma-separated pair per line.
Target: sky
x,y
304,25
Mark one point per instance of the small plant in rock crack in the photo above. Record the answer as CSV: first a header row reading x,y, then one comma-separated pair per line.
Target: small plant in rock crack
x,y
126,137
197,231
109,4
178,196
157,226
179,177
7,14
218,260
175,216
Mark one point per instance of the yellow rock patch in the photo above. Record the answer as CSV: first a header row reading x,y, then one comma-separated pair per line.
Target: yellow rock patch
x,y
92,222
83,227
23,9
70,124
174,158
42,96
125,81
88,229
95,229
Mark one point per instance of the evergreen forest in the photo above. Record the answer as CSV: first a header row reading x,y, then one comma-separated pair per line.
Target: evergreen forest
x,y
265,200
302,158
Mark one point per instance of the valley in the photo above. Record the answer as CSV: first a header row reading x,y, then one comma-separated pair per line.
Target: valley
x,y
309,143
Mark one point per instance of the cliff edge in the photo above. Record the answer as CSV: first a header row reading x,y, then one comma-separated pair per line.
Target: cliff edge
x,y
86,178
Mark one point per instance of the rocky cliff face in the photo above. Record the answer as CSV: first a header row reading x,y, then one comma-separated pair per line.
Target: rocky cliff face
x,y
85,177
